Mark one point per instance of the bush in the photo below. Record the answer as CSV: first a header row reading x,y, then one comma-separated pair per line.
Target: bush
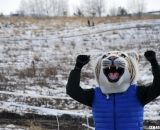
x,y
34,126
28,72
51,71
3,78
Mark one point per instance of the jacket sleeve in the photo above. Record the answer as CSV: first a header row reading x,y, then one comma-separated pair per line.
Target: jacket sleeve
x,y
148,93
73,89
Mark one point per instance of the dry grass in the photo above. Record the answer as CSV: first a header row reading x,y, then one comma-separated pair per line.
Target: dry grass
x,y
51,71
34,126
3,78
59,22
28,72
33,72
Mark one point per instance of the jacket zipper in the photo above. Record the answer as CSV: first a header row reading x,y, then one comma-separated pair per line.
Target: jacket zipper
x,y
114,112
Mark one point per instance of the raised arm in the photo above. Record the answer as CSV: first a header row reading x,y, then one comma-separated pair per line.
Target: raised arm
x,y
148,93
73,89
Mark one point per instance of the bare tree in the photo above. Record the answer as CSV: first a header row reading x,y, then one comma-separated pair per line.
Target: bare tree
x,y
141,7
31,7
94,7
100,7
122,11
113,11
62,7
136,6
88,7
44,7
24,6
53,7
78,12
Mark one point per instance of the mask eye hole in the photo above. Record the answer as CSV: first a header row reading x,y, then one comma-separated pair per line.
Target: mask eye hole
x,y
123,55
104,56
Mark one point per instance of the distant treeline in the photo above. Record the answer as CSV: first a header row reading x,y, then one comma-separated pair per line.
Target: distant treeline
x,y
93,8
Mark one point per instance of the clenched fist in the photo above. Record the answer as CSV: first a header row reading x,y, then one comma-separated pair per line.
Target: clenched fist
x,y
82,60
151,56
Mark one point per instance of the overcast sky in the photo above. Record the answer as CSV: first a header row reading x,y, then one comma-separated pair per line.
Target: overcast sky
x,y
8,6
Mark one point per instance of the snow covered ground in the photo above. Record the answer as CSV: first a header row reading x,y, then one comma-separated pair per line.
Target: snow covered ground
x,y
35,61
12,127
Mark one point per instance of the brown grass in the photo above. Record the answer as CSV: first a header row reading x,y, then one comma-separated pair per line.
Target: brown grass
x,y
33,72
67,21
28,72
51,71
3,78
34,126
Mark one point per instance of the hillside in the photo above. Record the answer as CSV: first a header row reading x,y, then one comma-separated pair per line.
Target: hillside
x,y
36,59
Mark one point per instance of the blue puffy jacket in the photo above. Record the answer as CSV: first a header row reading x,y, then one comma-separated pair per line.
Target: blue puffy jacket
x,y
119,111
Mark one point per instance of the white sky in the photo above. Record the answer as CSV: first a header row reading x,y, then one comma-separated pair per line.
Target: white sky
x,y
7,6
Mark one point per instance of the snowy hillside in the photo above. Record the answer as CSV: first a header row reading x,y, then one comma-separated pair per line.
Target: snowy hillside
x,y
36,59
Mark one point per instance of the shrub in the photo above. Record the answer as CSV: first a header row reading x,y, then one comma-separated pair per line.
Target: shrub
x,y
51,71
28,72
3,78
34,126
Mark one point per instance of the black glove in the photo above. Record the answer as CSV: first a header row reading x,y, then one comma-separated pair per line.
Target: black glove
x,y
81,61
151,57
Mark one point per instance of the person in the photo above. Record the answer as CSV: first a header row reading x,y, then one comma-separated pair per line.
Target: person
x,y
122,110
